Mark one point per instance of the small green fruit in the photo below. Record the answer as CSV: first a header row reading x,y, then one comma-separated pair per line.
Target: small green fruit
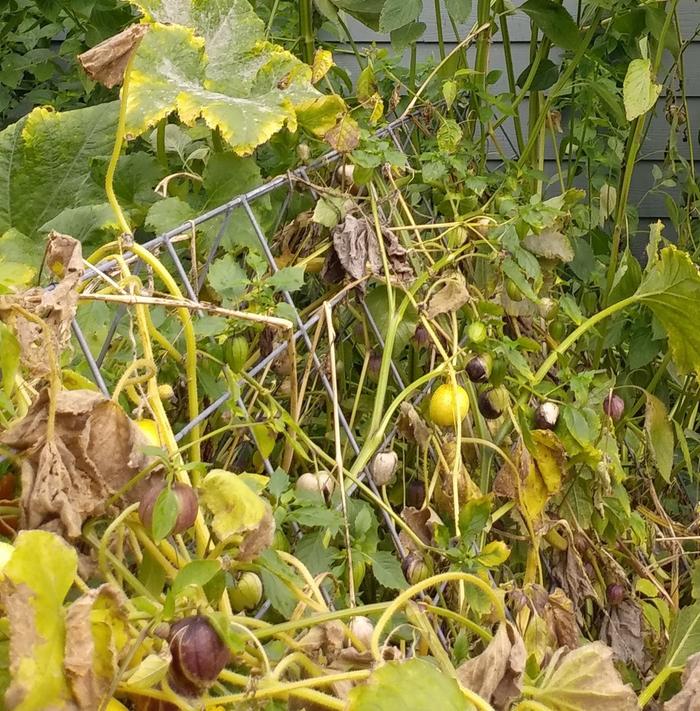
x,y
246,594
476,332
359,568
236,353
513,291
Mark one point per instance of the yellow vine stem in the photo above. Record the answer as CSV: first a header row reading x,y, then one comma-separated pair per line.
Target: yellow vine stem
x,y
117,150
190,346
308,578
303,689
434,581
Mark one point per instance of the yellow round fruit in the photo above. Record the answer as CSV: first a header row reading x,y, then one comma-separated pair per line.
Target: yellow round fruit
x,y
149,428
449,405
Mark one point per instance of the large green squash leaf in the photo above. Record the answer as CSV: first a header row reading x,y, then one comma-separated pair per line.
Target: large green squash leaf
x,y
211,60
45,164
671,289
38,577
415,684
685,636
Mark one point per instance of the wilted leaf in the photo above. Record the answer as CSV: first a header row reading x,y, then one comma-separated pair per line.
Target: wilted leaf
x,y
106,62
324,641
584,679
640,92
36,580
412,426
415,684
237,510
96,633
550,244
356,247
95,451
9,358
55,307
497,673
623,630
671,289
659,433
540,473
451,297
211,60
345,135
687,698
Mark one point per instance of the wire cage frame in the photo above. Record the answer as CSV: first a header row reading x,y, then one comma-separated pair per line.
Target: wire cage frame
x,y
400,132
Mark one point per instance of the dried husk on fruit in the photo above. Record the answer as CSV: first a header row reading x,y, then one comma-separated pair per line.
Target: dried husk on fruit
x,y
67,478
411,425
467,489
54,307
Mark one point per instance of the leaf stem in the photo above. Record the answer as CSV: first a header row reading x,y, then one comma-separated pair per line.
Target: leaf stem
x,y
575,335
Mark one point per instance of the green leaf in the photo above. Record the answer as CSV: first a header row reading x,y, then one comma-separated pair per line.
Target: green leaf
x,y
695,579
407,35
627,278
387,570
415,684
640,92
287,279
459,10
449,136
227,277
168,213
197,572
473,518
330,210
45,164
377,303
685,636
87,223
554,21
397,13
37,579
235,507
584,679
165,513
210,60
671,289
9,358
659,433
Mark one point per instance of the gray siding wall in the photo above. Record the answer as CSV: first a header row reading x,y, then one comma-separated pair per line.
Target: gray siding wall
x,y
651,206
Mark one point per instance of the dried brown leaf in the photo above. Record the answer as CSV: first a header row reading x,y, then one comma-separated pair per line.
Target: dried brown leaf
x,y
96,449
55,307
560,616
570,573
497,673
688,698
422,522
412,426
324,641
106,62
623,630
95,633
451,297
356,247
345,135
258,539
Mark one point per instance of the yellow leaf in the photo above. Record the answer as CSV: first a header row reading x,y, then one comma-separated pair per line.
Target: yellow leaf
x,y
550,457
236,508
323,61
